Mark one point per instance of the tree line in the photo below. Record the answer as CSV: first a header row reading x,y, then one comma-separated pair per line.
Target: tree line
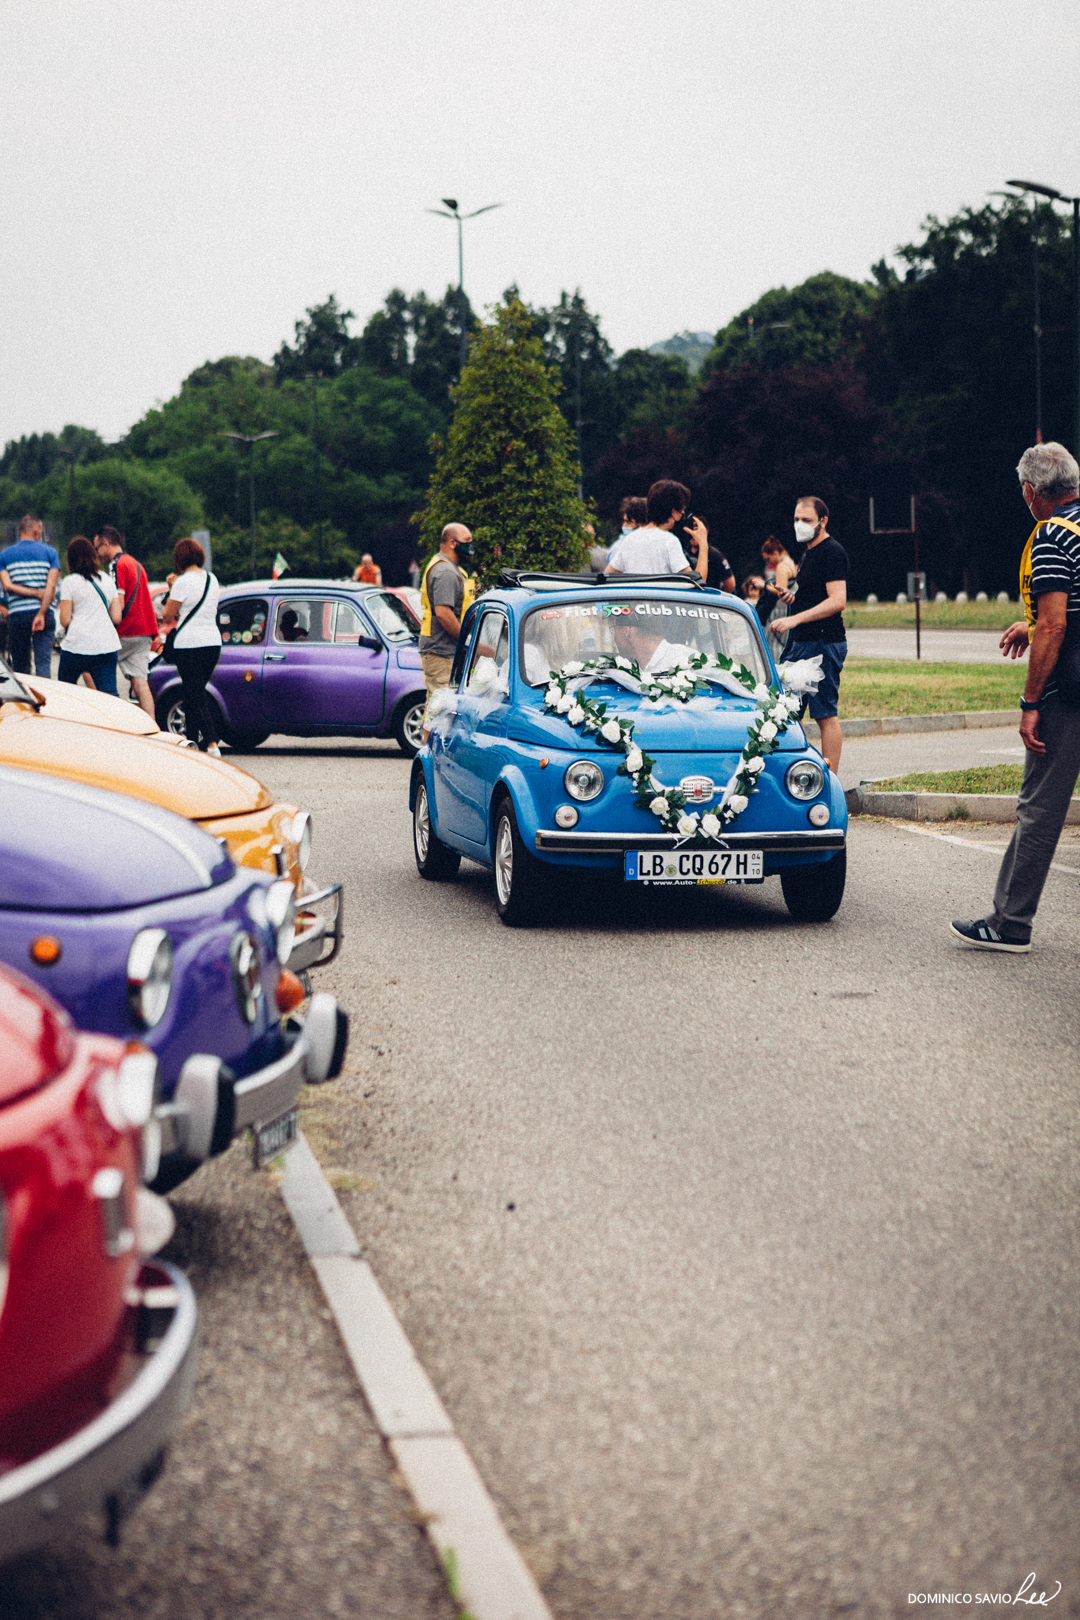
x,y
918,381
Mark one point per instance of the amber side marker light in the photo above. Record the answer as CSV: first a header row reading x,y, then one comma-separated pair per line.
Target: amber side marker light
x,y
289,993
46,950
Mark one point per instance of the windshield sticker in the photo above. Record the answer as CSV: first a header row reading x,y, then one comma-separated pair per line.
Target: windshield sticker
x,y
611,610
555,614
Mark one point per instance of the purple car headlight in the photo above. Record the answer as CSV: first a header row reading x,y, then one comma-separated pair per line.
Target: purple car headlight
x,y
149,976
281,915
246,974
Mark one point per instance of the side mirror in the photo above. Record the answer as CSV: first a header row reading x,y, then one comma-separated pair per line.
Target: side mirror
x,y
372,643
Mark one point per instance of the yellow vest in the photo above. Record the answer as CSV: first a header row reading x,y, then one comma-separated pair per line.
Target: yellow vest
x,y
425,604
1025,564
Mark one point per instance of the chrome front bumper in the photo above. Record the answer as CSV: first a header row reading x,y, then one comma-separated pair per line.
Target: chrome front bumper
x,y
310,942
113,1460
773,843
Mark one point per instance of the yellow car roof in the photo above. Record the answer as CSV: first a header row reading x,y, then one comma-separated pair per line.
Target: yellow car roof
x,y
180,779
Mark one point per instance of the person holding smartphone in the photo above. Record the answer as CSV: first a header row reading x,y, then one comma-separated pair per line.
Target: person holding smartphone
x,y
654,549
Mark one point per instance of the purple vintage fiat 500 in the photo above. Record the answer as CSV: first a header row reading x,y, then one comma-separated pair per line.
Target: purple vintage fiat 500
x,y
309,658
139,925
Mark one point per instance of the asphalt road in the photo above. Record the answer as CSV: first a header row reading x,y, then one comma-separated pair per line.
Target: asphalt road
x,y
938,646
743,1254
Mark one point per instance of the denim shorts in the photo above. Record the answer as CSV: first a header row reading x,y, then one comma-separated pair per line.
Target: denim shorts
x,y
823,702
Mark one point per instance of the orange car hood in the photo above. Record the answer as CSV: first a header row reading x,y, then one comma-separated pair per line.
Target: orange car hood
x,y
66,702
180,779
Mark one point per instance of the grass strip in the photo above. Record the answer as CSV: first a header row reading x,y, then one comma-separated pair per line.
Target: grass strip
x,y
872,687
935,615
977,779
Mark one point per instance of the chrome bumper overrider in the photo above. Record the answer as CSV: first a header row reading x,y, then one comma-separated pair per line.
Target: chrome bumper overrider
x,y
109,1463
773,843
311,941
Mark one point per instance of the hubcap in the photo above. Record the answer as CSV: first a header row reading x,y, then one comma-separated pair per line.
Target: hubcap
x,y
175,722
422,823
504,861
413,726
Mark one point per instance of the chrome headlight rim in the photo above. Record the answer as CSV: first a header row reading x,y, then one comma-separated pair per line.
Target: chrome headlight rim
x,y
300,832
804,791
246,974
281,916
149,977
588,783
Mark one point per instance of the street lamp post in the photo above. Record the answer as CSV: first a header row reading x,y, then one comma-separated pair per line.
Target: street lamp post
x,y
1059,196
451,204
314,379
71,457
251,440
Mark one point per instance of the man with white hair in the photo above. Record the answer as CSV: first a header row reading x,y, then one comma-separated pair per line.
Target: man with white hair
x,y
1050,717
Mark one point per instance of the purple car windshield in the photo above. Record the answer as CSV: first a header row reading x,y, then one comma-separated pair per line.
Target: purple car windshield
x,y
655,632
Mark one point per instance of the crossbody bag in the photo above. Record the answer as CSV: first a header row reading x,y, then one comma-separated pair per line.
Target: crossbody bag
x,y
169,650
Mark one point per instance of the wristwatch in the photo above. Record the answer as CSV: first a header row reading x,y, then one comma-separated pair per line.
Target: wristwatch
x,y
1027,708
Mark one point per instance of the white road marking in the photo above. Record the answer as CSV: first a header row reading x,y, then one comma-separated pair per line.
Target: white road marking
x,y
1017,752
971,843
490,1578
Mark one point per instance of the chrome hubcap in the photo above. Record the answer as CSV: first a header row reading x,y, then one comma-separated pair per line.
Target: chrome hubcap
x,y
504,861
176,722
413,726
422,823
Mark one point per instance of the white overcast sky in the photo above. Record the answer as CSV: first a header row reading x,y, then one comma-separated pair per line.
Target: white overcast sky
x,y
182,178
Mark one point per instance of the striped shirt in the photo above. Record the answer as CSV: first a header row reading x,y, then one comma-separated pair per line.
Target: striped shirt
x,y
28,562
1055,566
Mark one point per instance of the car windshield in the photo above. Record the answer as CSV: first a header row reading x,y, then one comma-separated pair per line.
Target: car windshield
x,y
655,632
390,615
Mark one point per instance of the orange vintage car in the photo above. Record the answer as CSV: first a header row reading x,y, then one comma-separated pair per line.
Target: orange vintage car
x,y
87,736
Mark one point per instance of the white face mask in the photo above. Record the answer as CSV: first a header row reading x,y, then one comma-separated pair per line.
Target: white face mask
x,y
804,532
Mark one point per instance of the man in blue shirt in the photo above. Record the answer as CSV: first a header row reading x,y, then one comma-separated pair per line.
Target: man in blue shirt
x,y
29,574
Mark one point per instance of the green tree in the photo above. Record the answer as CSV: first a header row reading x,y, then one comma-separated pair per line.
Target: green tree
x,y
508,468
30,459
822,322
323,344
151,505
419,340
232,551
651,390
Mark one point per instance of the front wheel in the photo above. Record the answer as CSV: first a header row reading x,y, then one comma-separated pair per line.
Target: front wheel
x,y
434,859
814,893
409,725
518,879
169,714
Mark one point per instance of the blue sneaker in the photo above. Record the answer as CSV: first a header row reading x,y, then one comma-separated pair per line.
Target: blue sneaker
x,y
980,934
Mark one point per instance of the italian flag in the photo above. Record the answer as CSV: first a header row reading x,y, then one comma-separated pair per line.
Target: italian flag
x,y
280,567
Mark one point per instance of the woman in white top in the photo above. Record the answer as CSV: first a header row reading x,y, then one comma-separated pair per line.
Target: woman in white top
x,y
91,607
193,606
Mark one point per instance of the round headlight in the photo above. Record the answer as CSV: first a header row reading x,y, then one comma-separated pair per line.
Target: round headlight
x,y
281,915
583,779
149,976
301,833
805,779
247,975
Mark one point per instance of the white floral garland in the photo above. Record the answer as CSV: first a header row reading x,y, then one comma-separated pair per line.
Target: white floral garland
x,y
777,707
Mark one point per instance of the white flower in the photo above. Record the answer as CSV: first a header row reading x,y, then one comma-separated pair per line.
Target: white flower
x,y
622,663
767,731
710,825
688,824
611,731
761,693
552,695
754,765
738,803
566,702
576,715
659,805
634,761
573,667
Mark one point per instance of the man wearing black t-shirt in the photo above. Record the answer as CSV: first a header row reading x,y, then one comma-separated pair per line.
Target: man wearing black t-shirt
x,y
820,587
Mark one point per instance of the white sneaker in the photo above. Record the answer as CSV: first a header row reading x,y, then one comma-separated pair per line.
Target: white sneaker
x,y
214,751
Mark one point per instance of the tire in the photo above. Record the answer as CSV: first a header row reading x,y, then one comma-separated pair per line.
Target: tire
x,y
169,713
519,882
409,724
243,739
814,893
434,859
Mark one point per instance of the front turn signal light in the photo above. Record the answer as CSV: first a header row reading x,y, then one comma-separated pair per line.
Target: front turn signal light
x,y
289,993
46,950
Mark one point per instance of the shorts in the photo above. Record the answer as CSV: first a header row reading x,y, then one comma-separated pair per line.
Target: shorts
x,y
436,670
135,657
822,703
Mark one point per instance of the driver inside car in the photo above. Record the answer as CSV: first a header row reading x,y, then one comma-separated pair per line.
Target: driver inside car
x,y
653,653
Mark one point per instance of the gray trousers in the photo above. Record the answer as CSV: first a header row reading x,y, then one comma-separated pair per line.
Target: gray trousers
x,y
1049,783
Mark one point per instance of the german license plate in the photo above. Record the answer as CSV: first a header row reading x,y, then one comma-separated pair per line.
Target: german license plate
x,y
694,866
275,1136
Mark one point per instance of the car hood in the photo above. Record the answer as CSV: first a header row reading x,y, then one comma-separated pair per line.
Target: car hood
x,y
68,847
720,729
179,779
63,701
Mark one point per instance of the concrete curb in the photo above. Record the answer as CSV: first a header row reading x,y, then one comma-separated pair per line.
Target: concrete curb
x,y
486,1573
865,801
973,720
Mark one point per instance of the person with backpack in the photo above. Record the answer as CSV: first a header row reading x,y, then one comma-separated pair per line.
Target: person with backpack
x,y
194,640
138,627
91,607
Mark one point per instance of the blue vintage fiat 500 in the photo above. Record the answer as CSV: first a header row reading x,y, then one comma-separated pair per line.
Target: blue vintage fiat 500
x,y
640,728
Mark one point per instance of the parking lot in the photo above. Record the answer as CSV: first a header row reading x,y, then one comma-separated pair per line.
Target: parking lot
x,y
742,1254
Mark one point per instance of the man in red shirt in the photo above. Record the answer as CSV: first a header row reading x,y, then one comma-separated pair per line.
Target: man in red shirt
x,y
139,625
